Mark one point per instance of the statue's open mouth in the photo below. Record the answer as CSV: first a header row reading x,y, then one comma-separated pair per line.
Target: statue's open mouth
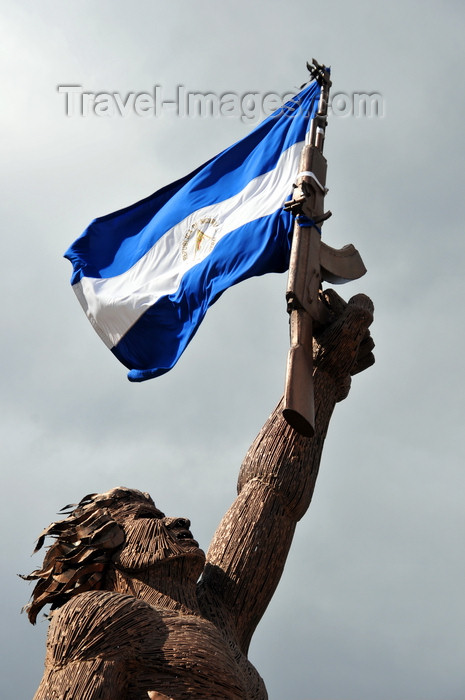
x,y
186,535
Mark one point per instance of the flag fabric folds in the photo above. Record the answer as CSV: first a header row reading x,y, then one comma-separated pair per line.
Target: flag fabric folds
x,y
146,275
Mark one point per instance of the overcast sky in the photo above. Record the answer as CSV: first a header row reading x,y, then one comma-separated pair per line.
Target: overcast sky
x,y
371,605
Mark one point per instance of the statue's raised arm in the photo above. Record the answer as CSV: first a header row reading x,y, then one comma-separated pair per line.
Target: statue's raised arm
x,y
277,478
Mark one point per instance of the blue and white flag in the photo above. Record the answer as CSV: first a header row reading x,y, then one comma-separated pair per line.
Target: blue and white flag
x,y
146,275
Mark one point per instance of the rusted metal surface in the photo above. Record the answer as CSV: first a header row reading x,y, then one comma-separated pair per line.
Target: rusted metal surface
x,y
131,618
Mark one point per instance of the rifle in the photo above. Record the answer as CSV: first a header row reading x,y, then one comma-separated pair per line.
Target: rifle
x,y
311,263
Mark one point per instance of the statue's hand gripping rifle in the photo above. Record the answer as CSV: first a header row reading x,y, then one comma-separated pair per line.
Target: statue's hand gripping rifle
x,y
311,262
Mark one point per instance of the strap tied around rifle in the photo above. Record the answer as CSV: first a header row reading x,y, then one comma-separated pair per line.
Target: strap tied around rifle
x,y
306,222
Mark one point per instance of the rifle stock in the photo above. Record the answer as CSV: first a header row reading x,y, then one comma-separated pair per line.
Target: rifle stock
x,y
303,291
298,407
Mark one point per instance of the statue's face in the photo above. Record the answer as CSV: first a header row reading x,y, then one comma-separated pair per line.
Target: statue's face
x,y
151,537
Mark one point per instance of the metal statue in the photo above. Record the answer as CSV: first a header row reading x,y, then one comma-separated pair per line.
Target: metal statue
x,y
138,610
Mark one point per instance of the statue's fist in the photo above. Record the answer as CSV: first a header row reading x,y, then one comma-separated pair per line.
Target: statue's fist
x,y
344,346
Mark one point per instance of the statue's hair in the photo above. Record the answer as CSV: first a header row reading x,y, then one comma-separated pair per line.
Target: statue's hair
x,y
81,555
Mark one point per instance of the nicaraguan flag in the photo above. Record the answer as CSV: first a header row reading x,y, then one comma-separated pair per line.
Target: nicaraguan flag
x,y
146,275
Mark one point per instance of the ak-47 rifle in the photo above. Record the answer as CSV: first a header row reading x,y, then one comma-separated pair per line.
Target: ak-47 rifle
x,y
311,262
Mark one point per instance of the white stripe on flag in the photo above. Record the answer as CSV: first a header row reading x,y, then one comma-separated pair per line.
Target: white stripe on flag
x,y
114,304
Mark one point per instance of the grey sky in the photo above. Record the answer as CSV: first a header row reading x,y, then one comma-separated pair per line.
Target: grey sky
x,y
371,604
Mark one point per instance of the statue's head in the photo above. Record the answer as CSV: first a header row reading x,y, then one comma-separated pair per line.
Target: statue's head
x,y
121,529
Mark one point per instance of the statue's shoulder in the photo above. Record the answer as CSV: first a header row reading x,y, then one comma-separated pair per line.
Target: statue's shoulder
x,y
87,625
